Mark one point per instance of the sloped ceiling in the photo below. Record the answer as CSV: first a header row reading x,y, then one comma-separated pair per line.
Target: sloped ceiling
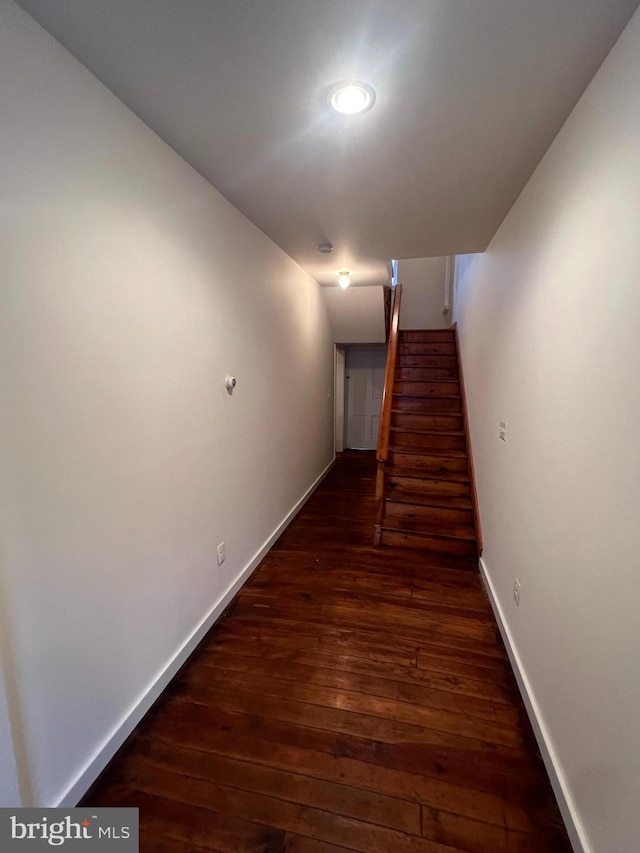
x,y
470,94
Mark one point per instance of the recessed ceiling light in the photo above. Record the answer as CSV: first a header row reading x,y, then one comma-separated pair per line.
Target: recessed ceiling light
x,y
344,279
352,98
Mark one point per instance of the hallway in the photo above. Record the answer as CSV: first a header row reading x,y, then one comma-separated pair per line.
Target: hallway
x,y
351,698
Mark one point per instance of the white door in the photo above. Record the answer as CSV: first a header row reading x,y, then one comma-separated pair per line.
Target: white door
x,y
365,384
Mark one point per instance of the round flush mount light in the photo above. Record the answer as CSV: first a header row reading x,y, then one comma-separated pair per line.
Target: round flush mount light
x,y
325,248
344,279
351,98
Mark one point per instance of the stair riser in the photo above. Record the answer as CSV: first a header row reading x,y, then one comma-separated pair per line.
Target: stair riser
x,y
397,486
428,464
426,361
427,442
427,349
426,422
426,336
426,374
427,405
458,547
426,519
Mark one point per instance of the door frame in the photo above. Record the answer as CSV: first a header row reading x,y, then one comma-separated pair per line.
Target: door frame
x,y
344,408
339,397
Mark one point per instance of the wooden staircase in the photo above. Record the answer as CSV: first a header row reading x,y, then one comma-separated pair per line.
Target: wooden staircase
x,y
425,476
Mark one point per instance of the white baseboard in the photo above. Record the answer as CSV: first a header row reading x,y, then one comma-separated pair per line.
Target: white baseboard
x,y
112,743
576,831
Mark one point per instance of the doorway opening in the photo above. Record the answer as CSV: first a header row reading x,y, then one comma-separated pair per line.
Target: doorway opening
x,y
360,372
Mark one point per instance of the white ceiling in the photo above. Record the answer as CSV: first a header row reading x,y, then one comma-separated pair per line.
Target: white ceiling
x,y
470,93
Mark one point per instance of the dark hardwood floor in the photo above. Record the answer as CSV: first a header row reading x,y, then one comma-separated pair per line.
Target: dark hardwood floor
x,y
351,698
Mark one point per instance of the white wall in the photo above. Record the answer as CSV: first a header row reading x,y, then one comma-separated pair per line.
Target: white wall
x,y
424,282
549,330
357,314
129,288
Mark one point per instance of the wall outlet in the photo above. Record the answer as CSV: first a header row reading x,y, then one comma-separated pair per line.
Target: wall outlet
x,y
222,553
502,430
516,592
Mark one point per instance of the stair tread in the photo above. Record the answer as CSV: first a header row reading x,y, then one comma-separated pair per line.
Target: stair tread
x,y
451,371
440,452
431,431
419,474
398,472
428,396
457,561
437,500
450,344
424,360
427,421
441,532
397,411
422,489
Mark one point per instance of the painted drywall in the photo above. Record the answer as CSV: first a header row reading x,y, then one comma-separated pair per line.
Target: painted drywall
x,y
130,288
357,314
548,321
424,293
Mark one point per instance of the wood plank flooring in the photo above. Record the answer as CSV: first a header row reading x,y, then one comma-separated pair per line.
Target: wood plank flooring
x,y
352,698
